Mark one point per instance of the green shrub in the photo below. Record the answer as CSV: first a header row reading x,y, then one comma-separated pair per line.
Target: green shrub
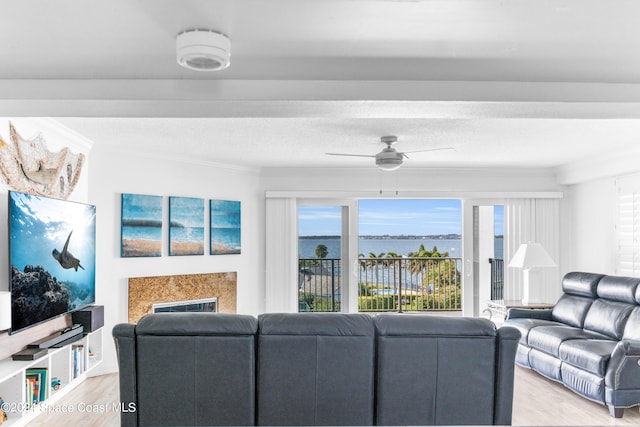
x,y
445,298
378,303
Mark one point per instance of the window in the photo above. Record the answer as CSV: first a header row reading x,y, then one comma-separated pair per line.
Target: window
x,y
627,227
319,257
410,255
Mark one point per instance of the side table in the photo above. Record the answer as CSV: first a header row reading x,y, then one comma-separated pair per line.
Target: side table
x,y
499,307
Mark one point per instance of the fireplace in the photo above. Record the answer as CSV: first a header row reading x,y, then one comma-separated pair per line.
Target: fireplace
x,y
203,305
144,292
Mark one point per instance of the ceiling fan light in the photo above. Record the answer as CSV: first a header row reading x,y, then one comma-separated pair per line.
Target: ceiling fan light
x,y
203,50
389,164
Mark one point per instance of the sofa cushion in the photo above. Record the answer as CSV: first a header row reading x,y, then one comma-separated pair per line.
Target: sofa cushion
x,y
195,360
312,324
581,284
198,324
582,382
608,317
632,328
590,355
427,325
546,364
525,325
549,338
616,288
571,310
522,355
315,369
418,353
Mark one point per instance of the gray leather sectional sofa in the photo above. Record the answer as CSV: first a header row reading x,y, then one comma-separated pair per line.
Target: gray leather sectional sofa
x,y
589,341
315,369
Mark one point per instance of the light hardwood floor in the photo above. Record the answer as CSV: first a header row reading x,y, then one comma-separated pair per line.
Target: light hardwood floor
x,y
537,402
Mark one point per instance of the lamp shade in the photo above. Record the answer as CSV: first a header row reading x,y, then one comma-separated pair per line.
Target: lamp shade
x,y
5,310
531,255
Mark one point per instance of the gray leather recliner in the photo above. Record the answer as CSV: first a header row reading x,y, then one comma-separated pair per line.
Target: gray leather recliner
x,y
434,370
315,369
188,369
589,341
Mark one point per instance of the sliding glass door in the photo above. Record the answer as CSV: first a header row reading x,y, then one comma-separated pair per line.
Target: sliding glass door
x,y
324,255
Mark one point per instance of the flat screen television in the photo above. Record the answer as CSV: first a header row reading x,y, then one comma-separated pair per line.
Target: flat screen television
x,y
52,257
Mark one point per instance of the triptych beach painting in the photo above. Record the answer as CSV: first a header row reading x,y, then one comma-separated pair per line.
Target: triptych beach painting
x,y
142,222
141,226
186,226
225,227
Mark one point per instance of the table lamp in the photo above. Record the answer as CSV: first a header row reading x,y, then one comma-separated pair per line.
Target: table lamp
x,y
531,257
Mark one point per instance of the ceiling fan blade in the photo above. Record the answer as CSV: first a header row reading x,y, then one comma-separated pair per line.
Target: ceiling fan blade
x,y
429,149
349,155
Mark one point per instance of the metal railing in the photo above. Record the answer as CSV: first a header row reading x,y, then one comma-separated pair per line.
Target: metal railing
x,y
497,278
385,284
319,284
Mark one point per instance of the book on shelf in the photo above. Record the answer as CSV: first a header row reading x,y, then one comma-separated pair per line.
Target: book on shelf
x,y
33,389
36,380
78,360
43,375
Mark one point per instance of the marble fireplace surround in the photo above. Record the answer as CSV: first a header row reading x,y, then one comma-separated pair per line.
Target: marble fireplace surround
x,y
146,291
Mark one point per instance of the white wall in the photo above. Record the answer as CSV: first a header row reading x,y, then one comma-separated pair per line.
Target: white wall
x,y
112,174
409,180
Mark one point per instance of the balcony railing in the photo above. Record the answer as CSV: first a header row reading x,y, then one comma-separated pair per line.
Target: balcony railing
x,y
497,278
319,284
385,284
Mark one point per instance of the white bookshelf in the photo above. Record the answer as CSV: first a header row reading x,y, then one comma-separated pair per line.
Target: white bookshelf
x,y
60,364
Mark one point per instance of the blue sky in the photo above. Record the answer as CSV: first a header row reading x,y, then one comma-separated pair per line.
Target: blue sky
x,y
498,224
419,217
393,216
188,211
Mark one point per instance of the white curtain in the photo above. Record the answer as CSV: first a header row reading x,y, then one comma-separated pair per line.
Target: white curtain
x,y
281,275
538,221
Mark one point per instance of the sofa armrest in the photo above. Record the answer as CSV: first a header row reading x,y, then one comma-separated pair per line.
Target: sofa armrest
x,y
529,313
623,371
507,341
125,340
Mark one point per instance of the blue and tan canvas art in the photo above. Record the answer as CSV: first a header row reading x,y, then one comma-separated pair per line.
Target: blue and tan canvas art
x,y
186,226
225,227
141,226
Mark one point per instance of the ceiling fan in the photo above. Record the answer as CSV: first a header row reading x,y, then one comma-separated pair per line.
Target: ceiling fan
x,y
389,158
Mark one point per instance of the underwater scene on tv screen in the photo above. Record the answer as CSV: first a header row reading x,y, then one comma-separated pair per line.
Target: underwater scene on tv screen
x,y
52,257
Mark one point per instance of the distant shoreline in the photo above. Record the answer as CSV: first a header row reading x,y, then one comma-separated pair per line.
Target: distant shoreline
x,y
400,237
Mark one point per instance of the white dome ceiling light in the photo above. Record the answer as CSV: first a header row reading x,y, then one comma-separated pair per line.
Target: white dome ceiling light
x,y
203,50
389,159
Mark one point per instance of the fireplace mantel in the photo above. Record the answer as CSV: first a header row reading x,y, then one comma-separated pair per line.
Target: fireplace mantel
x,y
145,291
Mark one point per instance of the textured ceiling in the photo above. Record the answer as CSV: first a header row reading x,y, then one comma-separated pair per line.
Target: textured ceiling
x,y
517,84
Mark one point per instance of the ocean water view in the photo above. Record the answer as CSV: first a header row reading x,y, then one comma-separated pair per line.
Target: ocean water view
x,y
187,234
307,246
